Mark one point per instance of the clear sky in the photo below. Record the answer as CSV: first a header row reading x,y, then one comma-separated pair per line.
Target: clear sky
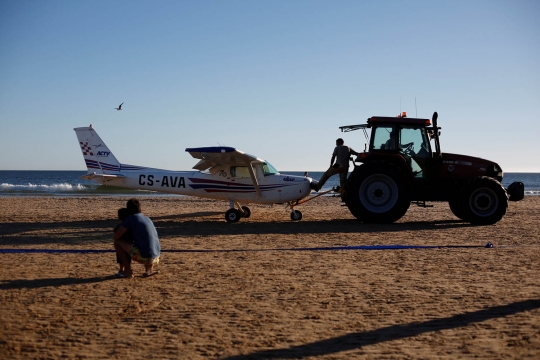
x,y
272,78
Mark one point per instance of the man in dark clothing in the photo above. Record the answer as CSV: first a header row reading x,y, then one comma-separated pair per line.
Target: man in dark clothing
x,y
145,249
341,155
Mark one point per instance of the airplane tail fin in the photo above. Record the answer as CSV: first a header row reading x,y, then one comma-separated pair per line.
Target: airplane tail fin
x,y
98,157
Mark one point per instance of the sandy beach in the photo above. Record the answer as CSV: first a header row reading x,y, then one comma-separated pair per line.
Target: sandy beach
x,y
265,287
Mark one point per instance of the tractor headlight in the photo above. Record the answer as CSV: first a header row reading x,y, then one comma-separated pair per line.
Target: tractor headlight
x,y
496,172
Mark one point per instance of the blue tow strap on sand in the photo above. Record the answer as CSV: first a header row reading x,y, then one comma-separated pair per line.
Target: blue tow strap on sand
x,y
328,248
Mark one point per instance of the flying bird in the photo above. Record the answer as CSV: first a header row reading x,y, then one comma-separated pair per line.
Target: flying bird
x,y
119,107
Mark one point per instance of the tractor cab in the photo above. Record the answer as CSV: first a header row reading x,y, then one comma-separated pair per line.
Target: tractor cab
x,y
404,140
408,138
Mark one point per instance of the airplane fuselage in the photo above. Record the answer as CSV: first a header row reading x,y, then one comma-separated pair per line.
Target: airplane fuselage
x,y
274,188
222,173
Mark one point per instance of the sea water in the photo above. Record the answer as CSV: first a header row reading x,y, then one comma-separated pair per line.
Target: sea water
x,y
70,183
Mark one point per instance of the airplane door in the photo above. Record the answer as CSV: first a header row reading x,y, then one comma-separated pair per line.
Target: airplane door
x,y
270,180
261,180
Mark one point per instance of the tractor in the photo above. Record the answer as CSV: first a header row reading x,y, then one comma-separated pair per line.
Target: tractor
x,y
401,167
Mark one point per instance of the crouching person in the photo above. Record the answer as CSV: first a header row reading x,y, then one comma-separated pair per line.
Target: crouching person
x,y
145,248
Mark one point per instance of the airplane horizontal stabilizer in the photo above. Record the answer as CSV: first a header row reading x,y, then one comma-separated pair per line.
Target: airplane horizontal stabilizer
x,y
104,176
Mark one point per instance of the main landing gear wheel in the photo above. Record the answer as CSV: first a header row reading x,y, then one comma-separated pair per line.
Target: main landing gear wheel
x,y
247,212
296,215
483,201
233,215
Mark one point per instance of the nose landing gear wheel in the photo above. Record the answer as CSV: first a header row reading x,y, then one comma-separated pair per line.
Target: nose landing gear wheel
x,y
232,215
296,215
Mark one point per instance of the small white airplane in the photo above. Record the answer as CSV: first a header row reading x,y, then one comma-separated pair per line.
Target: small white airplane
x,y
223,173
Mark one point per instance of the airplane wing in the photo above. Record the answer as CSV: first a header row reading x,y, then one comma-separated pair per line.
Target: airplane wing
x,y
215,155
219,155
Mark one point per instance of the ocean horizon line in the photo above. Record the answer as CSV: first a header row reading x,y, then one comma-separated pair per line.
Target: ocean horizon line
x,y
299,171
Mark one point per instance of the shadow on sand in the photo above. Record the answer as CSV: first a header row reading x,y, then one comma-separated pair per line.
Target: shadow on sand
x,y
208,227
357,340
96,231
39,283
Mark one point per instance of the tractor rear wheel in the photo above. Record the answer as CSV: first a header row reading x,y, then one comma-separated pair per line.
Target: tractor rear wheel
x,y
483,201
378,192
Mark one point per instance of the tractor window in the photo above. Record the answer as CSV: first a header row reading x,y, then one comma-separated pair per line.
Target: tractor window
x,y
414,144
414,141
239,172
383,138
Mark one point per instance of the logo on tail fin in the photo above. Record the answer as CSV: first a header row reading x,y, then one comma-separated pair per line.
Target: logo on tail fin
x,y
86,149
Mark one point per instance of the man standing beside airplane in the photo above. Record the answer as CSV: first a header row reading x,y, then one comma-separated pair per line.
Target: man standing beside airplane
x,y
342,156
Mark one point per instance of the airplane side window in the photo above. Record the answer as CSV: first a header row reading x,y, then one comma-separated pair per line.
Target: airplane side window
x,y
239,171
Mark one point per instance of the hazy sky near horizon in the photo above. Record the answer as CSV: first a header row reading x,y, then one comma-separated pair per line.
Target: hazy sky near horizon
x,y
272,78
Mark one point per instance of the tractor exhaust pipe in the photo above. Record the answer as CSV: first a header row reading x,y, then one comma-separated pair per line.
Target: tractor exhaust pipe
x,y
436,134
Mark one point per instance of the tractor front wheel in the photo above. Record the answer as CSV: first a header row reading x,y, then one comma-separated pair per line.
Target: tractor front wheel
x,y
483,201
378,193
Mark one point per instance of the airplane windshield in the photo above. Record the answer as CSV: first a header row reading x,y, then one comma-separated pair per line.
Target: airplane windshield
x,y
268,169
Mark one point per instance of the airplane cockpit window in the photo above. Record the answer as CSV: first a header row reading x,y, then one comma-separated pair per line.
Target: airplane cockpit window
x,y
268,169
239,172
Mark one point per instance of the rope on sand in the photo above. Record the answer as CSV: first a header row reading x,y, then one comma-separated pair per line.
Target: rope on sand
x,y
328,248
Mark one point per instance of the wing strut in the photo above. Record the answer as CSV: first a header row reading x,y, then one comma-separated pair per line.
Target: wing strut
x,y
254,179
